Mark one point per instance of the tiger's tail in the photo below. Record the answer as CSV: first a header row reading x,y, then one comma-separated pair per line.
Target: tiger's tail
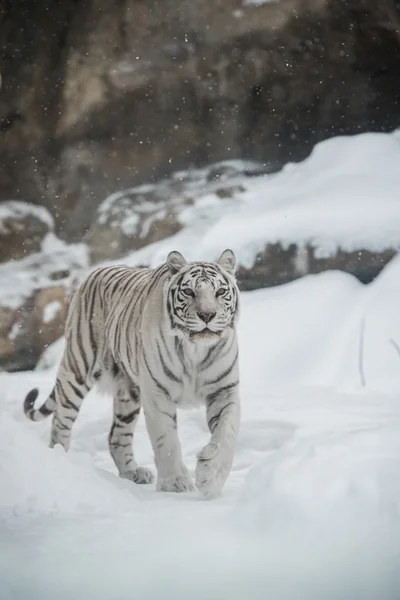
x,y
44,411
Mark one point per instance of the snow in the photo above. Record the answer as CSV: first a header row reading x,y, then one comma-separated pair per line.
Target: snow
x,y
58,263
259,2
50,311
16,209
51,356
311,509
344,195
135,209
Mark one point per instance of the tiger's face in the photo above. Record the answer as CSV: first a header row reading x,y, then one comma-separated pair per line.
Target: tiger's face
x,y
202,298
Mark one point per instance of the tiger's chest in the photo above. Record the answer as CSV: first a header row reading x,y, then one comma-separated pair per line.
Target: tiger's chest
x,y
195,378
191,392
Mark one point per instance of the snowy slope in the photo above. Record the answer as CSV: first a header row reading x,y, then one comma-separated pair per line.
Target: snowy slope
x,y
311,510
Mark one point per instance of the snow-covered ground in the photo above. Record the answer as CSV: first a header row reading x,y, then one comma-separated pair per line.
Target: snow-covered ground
x,y
311,510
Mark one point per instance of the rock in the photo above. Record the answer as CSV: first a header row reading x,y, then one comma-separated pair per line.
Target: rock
x,y
28,330
23,228
277,265
34,295
136,217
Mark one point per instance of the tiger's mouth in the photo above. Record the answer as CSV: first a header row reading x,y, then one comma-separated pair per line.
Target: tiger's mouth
x,y
205,334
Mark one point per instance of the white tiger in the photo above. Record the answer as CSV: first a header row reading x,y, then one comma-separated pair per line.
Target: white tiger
x,y
167,336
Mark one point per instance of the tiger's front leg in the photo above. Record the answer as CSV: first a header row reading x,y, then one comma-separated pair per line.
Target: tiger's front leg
x,y
126,414
214,461
161,422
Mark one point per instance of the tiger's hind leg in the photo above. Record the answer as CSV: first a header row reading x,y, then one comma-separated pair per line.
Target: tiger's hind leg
x,y
126,414
70,390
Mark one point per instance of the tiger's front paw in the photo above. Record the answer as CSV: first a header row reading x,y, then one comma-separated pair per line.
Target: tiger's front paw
x,y
140,475
177,483
212,470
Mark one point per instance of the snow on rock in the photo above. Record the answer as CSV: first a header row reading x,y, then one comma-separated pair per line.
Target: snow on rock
x,y
51,310
343,196
15,209
34,294
136,217
51,356
259,2
57,262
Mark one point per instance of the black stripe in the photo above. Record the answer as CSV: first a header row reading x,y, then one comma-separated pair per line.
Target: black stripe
x,y
69,418
132,314
79,330
167,371
227,350
61,425
211,398
119,445
158,384
211,353
167,414
127,419
45,411
73,364
213,422
225,373
127,284
76,390
65,401
157,275
94,292
170,308
179,351
165,345
110,435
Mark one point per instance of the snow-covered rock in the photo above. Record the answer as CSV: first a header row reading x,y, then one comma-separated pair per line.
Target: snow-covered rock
x,y
137,217
23,228
34,295
338,209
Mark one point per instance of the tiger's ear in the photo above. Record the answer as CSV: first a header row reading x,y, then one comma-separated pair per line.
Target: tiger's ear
x,y
175,262
227,261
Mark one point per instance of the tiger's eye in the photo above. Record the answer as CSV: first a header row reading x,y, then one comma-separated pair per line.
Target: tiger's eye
x,y
189,292
220,292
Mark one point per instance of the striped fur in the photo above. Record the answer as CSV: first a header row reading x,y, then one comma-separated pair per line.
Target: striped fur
x,y
166,338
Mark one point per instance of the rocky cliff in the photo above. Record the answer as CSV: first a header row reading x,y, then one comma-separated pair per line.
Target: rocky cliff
x,y
100,95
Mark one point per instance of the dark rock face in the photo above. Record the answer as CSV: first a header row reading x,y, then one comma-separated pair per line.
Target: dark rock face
x,y
98,96
277,264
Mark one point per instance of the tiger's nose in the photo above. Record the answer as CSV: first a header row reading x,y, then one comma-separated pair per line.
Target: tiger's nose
x,y
206,316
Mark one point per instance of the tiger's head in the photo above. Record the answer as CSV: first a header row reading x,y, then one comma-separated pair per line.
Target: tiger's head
x,y
202,298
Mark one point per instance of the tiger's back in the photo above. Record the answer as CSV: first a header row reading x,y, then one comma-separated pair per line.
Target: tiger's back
x,y
107,306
